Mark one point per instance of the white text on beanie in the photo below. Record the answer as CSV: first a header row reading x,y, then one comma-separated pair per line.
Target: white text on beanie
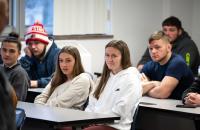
x,y
36,32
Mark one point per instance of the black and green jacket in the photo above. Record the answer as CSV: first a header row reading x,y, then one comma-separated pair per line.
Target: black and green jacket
x,y
195,88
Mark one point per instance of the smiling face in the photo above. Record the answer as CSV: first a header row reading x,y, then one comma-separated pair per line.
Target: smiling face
x,y
9,53
113,59
66,63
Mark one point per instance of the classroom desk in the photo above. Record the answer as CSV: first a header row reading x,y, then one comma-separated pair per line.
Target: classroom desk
x,y
32,93
57,117
162,114
36,90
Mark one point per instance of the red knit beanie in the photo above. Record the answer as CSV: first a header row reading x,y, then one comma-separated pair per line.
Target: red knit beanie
x,y
36,32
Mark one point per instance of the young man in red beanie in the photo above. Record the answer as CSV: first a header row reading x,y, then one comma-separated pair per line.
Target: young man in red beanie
x,y
40,58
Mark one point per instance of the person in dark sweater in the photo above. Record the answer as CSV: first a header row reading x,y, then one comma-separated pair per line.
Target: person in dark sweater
x,y
191,96
182,44
10,52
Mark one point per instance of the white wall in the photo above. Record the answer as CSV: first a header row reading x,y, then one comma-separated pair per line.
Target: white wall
x,y
79,16
196,22
134,20
95,48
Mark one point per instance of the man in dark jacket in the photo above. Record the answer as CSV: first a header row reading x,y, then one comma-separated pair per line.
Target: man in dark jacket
x,y
181,44
191,96
41,54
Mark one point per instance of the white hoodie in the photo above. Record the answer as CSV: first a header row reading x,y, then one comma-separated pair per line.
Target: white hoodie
x,y
120,97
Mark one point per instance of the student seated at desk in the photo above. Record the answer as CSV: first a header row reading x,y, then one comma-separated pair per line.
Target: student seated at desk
x,y
191,96
119,89
40,55
70,85
18,77
181,42
167,76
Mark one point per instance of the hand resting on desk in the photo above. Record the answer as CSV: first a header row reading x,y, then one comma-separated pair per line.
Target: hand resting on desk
x,y
192,99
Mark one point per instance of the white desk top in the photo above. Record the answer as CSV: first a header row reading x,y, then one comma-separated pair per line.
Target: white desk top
x,y
63,116
37,90
167,104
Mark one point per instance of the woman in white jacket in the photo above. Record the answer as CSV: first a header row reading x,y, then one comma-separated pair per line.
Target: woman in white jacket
x,y
119,89
70,85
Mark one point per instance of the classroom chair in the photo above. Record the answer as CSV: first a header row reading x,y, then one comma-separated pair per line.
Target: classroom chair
x,y
20,118
133,124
